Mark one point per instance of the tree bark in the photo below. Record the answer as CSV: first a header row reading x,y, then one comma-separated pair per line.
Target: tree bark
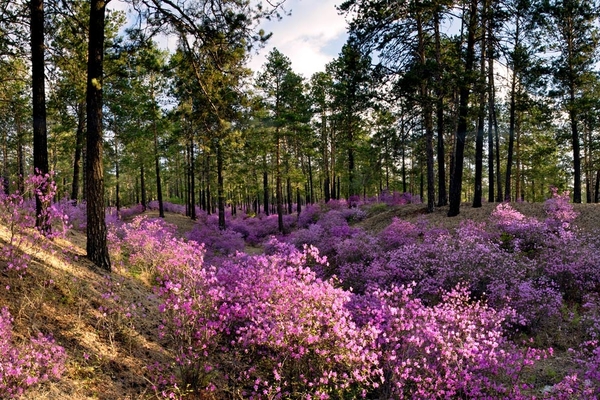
x,y
461,131
491,106
478,192
79,138
193,215
40,139
143,186
511,137
441,156
118,184
97,250
220,189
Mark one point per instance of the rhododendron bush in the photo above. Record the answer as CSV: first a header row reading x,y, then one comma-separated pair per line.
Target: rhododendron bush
x,y
334,311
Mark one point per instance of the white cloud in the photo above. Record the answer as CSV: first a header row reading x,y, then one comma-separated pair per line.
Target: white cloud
x,y
311,37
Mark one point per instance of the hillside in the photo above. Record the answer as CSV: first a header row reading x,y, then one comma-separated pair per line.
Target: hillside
x,y
64,295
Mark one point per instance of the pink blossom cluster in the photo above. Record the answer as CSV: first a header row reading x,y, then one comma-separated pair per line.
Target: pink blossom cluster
x,y
24,366
18,214
412,312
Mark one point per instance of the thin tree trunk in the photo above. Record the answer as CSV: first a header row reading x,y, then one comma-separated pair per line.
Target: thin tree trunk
x,y
491,107
478,192
461,131
278,189
311,194
511,137
20,155
441,156
290,198
266,192
79,138
208,193
159,195
193,215
220,189
117,181
428,120
597,188
143,186
498,175
5,181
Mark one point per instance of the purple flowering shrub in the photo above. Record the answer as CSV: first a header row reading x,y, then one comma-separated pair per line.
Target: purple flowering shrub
x,y
145,244
560,212
17,215
217,242
28,364
456,349
127,213
309,215
395,198
262,326
398,233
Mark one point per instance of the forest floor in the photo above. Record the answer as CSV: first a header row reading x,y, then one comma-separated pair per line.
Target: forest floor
x,y
61,295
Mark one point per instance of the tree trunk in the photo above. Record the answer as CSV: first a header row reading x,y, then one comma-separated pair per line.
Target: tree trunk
x,y
266,192
428,120
40,139
478,192
159,195
220,189
597,188
79,137
461,131
143,186
5,180
278,188
117,183
311,194
441,156
208,194
192,189
97,250
298,202
576,148
511,137
290,198
491,107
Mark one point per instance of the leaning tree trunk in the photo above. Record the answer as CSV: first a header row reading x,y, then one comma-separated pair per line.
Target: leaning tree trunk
x,y
97,250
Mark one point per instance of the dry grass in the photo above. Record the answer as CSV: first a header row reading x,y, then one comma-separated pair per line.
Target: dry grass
x,y
61,297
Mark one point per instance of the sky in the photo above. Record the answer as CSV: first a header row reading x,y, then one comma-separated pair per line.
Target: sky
x,y
310,37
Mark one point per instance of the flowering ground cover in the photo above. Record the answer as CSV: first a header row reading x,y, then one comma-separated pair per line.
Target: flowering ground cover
x,y
504,305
